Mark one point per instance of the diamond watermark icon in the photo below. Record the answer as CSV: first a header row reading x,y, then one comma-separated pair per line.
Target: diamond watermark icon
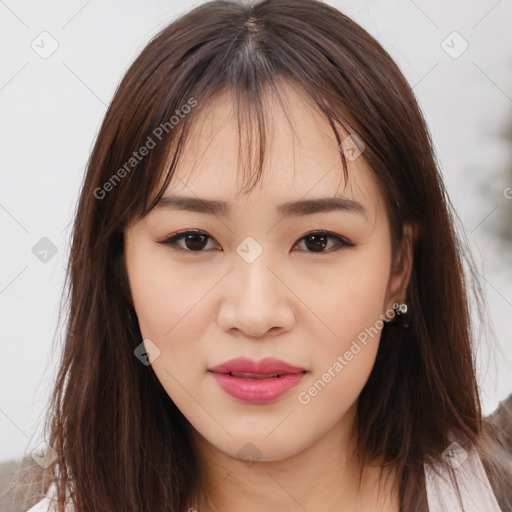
x,y
44,455
455,455
44,250
454,45
249,249
44,45
352,146
146,352
250,454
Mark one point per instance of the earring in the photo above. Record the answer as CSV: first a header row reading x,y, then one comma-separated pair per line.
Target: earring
x,y
400,309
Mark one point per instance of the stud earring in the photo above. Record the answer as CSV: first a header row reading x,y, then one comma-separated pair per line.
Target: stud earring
x,y
400,309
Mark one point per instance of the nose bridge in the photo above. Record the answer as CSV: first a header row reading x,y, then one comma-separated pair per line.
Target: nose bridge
x,y
256,280
257,301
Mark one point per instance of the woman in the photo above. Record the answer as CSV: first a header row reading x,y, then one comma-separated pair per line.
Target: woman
x,y
296,335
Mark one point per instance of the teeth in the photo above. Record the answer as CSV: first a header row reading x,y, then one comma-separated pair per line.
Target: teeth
x,y
253,375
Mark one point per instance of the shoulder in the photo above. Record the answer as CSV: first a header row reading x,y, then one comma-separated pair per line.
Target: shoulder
x,y
47,504
468,472
495,450
41,506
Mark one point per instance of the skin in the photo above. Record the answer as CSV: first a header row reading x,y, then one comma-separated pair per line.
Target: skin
x,y
304,307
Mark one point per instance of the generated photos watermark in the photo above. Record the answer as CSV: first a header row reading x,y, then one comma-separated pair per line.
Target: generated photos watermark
x,y
305,397
151,142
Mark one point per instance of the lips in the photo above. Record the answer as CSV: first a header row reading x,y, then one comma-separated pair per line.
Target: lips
x,y
247,368
257,382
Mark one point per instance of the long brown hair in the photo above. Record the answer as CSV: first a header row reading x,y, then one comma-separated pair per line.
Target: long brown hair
x,y
122,444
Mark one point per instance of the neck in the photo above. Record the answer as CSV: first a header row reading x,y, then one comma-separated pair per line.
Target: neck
x,y
325,476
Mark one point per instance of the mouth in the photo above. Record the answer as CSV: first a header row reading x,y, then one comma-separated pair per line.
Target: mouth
x,y
257,382
243,367
257,388
246,375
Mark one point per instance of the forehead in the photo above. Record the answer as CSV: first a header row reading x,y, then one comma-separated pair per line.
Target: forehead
x,y
302,156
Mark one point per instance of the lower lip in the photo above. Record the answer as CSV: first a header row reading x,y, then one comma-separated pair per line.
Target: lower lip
x,y
257,390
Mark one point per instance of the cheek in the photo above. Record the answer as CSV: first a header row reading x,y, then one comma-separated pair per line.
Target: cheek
x,y
352,299
173,310
351,308
171,313
345,354
165,297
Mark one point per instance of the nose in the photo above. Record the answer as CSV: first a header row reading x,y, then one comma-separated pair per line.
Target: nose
x,y
257,300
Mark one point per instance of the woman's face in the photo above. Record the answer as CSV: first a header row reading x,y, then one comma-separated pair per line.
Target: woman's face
x,y
261,282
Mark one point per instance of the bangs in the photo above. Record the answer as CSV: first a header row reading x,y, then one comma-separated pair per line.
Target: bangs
x,y
254,110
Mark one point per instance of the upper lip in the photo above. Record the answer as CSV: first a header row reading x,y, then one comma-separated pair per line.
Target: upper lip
x,y
265,366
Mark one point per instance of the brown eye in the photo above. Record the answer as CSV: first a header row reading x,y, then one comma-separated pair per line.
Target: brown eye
x,y
317,241
193,241
197,241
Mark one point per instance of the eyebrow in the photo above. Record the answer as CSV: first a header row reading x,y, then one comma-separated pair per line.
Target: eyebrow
x,y
291,208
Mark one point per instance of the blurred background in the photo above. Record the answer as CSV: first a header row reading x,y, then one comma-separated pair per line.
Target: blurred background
x,y
61,64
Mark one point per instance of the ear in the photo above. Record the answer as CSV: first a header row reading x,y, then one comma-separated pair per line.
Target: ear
x,y
401,272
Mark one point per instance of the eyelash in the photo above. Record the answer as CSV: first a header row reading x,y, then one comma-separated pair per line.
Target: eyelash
x,y
173,239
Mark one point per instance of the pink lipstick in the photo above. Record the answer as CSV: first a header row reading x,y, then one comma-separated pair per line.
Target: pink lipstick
x,y
256,381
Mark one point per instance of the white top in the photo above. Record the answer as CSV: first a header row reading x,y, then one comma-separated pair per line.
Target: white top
x,y
475,489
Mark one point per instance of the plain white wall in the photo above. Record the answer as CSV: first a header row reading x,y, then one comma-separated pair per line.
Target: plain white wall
x,y
52,105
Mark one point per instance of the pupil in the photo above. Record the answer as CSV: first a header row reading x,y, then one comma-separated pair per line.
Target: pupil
x,y
191,239
316,239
